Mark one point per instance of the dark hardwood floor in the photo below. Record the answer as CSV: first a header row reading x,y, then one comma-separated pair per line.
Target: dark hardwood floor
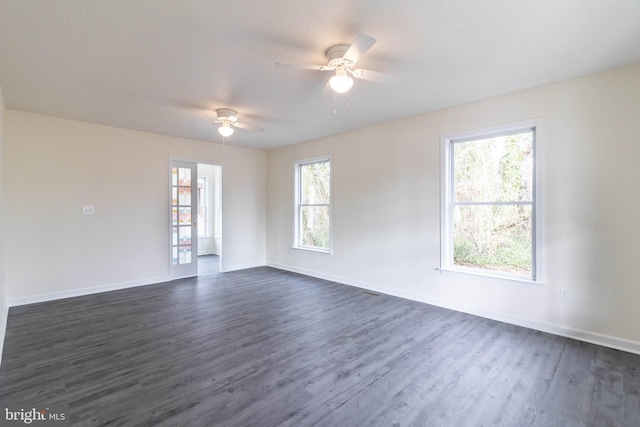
x,y
263,347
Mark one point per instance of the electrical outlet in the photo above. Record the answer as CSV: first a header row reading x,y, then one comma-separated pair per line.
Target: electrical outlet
x,y
88,210
564,295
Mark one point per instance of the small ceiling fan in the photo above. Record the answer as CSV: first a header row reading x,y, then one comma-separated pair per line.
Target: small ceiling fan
x,y
229,120
341,58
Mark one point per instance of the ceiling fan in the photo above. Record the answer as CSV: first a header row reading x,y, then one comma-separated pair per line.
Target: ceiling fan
x,y
341,58
229,120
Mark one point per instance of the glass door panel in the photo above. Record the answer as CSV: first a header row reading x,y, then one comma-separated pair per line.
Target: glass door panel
x,y
184,260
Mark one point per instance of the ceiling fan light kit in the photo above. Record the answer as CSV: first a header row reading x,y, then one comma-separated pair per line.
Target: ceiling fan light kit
x,y
341,82
225,129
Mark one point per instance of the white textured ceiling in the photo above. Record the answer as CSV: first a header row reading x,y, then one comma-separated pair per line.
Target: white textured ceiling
x,y
164,66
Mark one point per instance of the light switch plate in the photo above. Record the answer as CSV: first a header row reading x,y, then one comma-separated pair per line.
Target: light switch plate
x,y
88,210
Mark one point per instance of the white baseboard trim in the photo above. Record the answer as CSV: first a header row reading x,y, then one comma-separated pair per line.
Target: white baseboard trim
x,y
14,302
231,268
3,328
560,330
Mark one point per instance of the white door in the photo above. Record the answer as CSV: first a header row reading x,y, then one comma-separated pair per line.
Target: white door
x,y
184,208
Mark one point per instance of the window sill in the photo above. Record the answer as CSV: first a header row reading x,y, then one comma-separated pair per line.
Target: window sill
x,y
495,278
304,249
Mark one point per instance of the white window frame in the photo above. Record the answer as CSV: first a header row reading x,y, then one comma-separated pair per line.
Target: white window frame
x,y
446,216
298,205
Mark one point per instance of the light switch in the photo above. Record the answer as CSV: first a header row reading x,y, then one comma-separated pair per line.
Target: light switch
x,y
88,210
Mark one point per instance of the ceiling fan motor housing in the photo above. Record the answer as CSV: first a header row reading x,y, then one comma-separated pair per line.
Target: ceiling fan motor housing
x,y
227,114
335,55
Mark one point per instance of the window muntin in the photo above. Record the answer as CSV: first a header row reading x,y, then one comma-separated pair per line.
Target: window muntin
x,y
490,204
313,205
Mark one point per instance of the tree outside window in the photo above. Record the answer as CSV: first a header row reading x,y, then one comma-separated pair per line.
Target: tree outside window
x,y
313,213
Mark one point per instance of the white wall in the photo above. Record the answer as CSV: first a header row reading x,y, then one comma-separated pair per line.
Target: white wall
x,y
3,299
386,209
54,166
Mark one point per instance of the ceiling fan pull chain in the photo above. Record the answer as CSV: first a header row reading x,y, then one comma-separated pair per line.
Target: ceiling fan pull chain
x,y
334,102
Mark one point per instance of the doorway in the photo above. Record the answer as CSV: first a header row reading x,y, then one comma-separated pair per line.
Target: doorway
x,y
196,218
209,191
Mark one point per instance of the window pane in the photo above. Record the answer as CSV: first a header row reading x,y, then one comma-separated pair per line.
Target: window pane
x,y
315,183
184,255
184,217
184,235
184,195
493,237
184,177
494,169
314,226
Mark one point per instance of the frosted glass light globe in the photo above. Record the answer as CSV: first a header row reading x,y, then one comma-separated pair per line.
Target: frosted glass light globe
x,y
341,83
225,130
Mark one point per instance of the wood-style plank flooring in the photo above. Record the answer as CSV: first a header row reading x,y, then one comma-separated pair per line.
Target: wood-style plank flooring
x,y
263,347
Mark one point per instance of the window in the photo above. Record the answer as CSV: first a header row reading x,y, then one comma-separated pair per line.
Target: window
x,y
203,207
313,205
489,222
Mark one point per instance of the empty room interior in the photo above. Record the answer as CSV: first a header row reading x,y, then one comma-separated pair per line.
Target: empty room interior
x,y
340,213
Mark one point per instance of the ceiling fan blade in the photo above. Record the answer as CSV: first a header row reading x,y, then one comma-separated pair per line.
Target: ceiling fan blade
x,y
375,76
247,127
359,47
303,66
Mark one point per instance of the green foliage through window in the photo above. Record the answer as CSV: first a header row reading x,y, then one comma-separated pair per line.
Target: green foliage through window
x,y
492,203
314,214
